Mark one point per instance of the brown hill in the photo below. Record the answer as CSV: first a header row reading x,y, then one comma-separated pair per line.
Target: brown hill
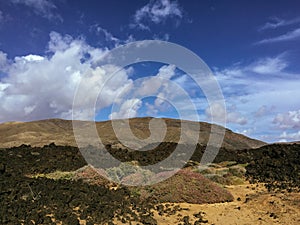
x,y
43,132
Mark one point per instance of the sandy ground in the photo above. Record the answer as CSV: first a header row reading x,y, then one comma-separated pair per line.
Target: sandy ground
x,y
252,205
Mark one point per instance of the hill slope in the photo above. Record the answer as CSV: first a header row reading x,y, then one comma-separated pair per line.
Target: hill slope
x,y
39,133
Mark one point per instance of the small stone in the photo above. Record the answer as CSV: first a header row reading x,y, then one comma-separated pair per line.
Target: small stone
x,y
273,215
247,200
198,215
2,168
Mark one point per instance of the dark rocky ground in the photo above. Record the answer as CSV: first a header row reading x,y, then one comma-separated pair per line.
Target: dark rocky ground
x,y
277,165
25,199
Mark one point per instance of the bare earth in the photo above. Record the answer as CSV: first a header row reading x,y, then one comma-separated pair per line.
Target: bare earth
x,y
60,132
260,207
253,205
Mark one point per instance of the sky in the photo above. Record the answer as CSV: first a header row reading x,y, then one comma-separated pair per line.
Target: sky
x,y
47,47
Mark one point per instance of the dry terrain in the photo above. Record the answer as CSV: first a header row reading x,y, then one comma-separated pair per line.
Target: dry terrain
x,y
40,133
249,182
252,205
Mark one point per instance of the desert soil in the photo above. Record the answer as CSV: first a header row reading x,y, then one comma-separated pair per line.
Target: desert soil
x,y
253,205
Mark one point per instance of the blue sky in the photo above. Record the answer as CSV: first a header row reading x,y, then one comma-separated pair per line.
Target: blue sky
x,y
252,47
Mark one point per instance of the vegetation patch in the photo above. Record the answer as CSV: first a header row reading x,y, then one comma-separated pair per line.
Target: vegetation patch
x,y
186,186
224,173
57,175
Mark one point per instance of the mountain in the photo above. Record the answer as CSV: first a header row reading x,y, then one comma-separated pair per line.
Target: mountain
x,y
43,132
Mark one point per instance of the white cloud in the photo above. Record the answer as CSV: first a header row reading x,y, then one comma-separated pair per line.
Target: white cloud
x,y
277,22
264,66
59,42
260,90
43,8
129,39
237,118
261,111
265,76
151,110
264,110
246,132
128,109
39,87
164,37
268,65
218,113
288,120
295,136
3,61
157,86
160,101
167,96
166,72
151,85
163,88
29,109
291,35
156,12
31,58
107,35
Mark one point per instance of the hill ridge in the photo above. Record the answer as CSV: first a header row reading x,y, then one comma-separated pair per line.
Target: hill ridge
x,y
60,131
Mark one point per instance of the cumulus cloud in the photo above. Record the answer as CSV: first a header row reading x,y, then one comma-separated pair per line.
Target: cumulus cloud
x,y
162,88
151,85
37,87
267,85
217,112
128,109
156,12
288,120
43,8
295,136
59,42
157,87
236,117
31,58
161,94
263,111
